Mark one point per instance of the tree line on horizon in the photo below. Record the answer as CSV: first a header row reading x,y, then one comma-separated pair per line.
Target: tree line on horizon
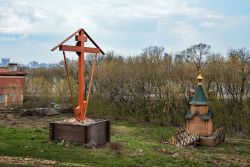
x,y
155,85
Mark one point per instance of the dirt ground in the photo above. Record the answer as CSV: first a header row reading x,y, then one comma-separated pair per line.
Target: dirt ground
x,y
30,121
18,161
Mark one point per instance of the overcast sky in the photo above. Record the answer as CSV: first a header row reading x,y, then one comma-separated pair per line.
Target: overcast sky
x,y
30,28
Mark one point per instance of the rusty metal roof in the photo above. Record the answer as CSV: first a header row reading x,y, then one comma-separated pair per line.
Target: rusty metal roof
x,y
13,73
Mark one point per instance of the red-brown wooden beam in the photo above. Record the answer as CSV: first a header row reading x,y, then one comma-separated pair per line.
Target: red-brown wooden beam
x,y
66,39
81,29
81,38
78,49
91,50
70,48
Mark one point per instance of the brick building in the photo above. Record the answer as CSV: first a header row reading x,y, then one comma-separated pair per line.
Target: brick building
x,y
199,116
11,86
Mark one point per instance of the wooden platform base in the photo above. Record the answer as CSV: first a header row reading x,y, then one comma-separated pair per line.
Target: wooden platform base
x,y
213,140
97,134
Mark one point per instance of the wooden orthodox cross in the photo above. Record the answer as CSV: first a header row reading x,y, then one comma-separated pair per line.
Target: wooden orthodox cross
x,y
81,37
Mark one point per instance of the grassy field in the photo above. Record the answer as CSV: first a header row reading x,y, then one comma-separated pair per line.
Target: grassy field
x,y
24,142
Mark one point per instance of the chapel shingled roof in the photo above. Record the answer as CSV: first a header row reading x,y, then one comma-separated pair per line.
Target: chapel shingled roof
x,y
200,97
207,116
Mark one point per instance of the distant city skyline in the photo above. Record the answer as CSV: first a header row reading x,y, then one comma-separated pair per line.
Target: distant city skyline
x,y
4,62
29,29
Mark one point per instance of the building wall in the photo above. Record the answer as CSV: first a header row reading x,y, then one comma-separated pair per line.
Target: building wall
x,y
210,127
201,108
11,91
198,125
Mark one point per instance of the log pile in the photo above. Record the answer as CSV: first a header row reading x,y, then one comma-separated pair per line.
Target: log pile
x,y
182,138
188,140
220,133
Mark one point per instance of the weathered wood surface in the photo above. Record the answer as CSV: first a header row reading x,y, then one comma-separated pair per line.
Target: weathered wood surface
x,y
183,138
98,133
216,138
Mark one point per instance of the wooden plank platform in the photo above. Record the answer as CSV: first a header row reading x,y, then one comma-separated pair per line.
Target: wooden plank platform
x,y
213,140
98,132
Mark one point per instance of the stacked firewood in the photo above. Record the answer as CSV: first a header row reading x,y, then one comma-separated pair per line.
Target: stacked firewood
x,y
188,140
182,138
220,133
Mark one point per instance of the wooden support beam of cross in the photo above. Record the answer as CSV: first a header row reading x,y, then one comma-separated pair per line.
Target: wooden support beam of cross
x,y
78,49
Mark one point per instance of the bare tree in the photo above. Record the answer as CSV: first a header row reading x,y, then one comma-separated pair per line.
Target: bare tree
x,y
242,58
197,54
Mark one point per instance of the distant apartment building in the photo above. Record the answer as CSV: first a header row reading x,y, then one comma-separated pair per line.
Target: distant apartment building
x,y
11,86
5,62
33,64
